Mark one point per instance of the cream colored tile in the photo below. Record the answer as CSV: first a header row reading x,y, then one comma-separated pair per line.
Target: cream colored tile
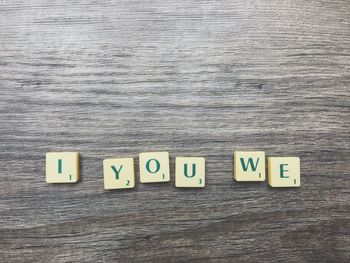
x,y
154,167
284,171
118,173
62,167
190,172
249,166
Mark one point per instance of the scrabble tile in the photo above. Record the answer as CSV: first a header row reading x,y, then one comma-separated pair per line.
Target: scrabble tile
x,y
249,166
190,172
118,173
62,167
154,167
284,171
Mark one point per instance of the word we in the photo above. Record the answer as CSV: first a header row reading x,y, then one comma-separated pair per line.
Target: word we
x,y
63,167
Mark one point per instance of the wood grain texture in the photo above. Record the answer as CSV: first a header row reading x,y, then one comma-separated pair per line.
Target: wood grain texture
x,y
195,78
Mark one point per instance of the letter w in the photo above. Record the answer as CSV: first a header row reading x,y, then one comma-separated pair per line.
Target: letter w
x,y
250,163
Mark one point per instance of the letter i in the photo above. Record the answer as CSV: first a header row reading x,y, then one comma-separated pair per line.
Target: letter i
x,y
60,166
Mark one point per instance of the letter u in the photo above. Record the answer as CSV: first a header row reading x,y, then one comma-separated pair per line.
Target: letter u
x,y
193,170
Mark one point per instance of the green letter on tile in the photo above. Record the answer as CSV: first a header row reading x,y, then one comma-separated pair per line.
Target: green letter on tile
x,y
250,163
282,170
193,170
149,168
59,166
116,171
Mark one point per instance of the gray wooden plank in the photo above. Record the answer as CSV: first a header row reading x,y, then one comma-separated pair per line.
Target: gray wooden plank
x,y
197,78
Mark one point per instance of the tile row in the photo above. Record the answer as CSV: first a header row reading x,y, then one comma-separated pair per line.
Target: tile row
x,y
118,173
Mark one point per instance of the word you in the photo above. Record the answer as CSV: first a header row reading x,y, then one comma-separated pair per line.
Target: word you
x,y
63,167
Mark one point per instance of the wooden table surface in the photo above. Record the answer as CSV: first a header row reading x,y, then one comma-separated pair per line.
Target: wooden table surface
x,y
195,78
